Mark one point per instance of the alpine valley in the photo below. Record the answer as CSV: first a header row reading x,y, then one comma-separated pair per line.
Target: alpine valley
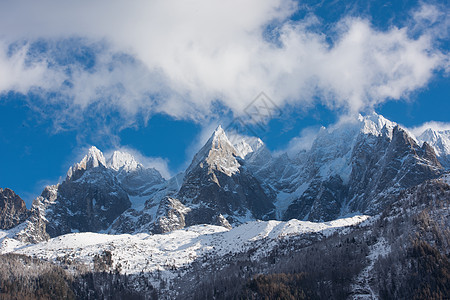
x,y
362,214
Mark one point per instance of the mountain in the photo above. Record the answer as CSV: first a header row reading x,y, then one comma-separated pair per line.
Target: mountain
x,y
400,253
356,166
361,213
13,210
132,175
219,189
95,193
440,141
351,167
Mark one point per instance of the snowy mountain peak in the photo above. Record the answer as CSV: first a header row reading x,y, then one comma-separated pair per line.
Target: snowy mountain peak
x,y
219,130
219,136
429,135
123,161
218,153
439,140
375,124
93,159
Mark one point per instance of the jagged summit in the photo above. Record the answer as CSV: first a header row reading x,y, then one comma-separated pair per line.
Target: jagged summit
x,y
119,161
13,210
220,187
220,153
429,135
123,161
217,153
439,140
375,124
219,134
93,159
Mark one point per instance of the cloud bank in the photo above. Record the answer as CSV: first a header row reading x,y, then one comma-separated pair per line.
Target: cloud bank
x,y
183,57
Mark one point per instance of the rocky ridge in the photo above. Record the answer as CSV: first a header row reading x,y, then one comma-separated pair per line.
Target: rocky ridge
x,y
356,166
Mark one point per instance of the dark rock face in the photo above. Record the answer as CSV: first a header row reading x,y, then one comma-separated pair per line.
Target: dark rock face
x,y
13,210
89,203
381,166
321,201
89,199
217,193
384,167
35,229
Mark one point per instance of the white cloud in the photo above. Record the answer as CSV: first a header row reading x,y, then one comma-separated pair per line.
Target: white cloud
x,y
302,142
427,13
189,54
18,75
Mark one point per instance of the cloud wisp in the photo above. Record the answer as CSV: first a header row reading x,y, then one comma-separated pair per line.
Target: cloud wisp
x,y
180,58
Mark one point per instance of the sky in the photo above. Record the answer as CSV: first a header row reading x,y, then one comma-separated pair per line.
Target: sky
x,y
155,78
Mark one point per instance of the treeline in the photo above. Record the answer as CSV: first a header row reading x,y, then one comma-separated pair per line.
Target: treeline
x,y
293,270
109,285
23,278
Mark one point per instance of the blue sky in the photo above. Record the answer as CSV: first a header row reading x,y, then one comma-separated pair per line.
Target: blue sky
x,y
156,77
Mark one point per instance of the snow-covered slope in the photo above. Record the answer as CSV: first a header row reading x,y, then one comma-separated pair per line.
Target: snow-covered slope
x,y
144,253
123,161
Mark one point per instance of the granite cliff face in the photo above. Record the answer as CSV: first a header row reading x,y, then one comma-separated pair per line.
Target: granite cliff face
x,y
13,210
